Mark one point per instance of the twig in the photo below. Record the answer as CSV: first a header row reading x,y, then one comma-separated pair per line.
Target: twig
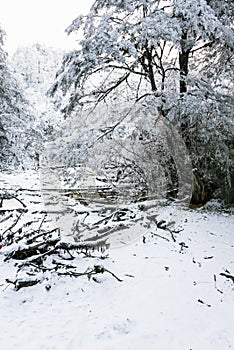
x,y
39,267
19,200
112,274
42,222
19,210
215,284
202,302
97,269
162,225
7,218
13,225
32,239
166,239
227,275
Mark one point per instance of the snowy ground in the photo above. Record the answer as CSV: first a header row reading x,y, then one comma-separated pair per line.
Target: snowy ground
x,y
172,295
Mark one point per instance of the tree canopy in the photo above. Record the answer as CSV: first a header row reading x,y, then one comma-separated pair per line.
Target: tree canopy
x,y
144,39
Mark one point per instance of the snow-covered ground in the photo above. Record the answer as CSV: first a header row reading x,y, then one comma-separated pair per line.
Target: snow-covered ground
x,y
172,295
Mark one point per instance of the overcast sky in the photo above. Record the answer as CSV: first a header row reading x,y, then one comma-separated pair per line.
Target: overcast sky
x,y
43,21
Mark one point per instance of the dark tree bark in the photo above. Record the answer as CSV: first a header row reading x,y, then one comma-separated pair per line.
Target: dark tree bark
x,y
184,63
150,70
199,191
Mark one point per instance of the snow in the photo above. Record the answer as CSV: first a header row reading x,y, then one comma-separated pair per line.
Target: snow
x,y
172,295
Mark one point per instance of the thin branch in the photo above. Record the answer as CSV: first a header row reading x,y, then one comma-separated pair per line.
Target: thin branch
x,y
13,225
112,128
128,69
106,92
97,269
202,47
227,275
153,93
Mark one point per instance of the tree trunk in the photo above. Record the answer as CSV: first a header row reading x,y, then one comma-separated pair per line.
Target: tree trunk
x,y
199,190
184,69
150,70
184,62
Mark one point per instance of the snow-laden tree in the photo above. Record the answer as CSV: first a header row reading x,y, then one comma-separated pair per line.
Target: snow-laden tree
x,y
20,142
177,55
34,67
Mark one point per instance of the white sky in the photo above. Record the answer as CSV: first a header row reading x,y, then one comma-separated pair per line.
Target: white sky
x,y
42,21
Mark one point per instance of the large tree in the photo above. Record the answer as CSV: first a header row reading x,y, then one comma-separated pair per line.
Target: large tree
x,y
178,52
